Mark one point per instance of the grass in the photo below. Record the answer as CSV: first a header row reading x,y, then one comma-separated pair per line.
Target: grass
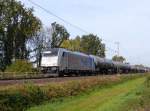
x,y
73,93
140,99
113,98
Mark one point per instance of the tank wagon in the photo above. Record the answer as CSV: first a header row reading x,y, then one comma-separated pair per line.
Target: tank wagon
x,y
102,65
59,61
120,67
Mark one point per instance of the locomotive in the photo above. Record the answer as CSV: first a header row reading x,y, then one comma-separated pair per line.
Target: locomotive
x,y
60,62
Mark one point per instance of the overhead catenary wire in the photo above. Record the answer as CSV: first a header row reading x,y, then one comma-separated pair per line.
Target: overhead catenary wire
x,y
51,13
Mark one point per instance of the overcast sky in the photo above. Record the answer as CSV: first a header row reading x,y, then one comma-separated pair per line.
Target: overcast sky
x,y
124,21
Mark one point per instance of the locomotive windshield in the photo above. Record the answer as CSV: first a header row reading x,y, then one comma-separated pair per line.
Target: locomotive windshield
x,y
52,52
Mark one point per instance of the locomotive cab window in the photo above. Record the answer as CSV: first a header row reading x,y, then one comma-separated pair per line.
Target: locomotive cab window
x,y
53,52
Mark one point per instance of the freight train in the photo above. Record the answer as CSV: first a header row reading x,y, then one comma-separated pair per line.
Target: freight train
x,y
60,62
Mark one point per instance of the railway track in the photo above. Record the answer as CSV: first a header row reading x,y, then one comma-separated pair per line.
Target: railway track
x,y
42,80
47,79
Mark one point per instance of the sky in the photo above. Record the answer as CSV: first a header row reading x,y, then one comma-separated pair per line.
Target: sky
x,y
123,21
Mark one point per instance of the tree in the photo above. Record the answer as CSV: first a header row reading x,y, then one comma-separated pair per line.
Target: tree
x,y
59,34
17,25
72,44
91,44
67,44
37,44
118,58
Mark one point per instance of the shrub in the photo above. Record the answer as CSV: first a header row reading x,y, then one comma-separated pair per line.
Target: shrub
x,y
21,98
2,65
20,66
147,81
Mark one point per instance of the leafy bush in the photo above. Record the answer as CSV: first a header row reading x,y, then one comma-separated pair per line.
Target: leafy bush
x,y
21,98
2,65
20,66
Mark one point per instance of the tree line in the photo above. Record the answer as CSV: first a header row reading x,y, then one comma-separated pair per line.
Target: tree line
x,y
24,36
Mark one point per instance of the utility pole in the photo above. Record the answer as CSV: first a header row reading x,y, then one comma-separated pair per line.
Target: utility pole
x,y
118,44
118,48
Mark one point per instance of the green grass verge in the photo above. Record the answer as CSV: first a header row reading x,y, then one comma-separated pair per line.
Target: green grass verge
x,y
139,100
116,98
21,97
